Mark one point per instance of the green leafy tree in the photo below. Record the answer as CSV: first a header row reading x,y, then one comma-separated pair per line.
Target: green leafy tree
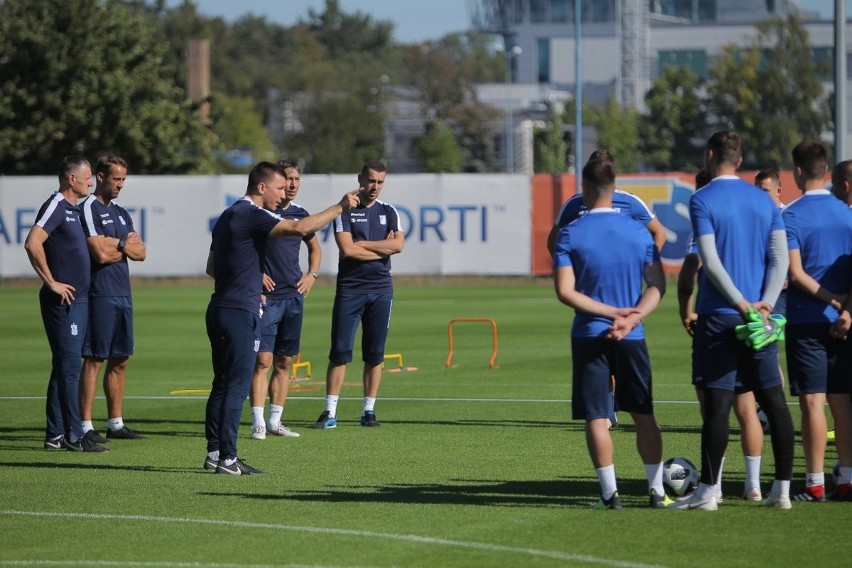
x,y
238,124
89,76
673,132
618,132
770,93
550,149
438,151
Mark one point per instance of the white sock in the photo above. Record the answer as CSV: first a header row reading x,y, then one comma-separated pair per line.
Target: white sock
x,y
780,488
606,477
87,425
256,416
230,461
369,404
814,479
115,423
718,486
213,455
331,404
654,473
752,467
845,476
705,491
276,413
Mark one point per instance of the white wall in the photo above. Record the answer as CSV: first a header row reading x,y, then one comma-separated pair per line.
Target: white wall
x,y
455,224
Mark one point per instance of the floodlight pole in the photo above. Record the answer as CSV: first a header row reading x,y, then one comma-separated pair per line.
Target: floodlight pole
x,y
578,99
840,121
510,122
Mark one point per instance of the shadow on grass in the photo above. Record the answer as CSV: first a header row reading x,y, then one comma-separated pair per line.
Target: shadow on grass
x,y
104,467
574,492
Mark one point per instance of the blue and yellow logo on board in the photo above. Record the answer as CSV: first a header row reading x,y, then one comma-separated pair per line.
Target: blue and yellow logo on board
x,y
668,197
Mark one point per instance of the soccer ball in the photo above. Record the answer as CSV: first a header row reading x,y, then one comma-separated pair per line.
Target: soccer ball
x,y
680,475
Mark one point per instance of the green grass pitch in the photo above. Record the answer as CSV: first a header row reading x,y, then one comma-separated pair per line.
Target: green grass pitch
x,y
472,466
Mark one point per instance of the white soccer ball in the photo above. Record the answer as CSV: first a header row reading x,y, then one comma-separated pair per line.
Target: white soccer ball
x,y
680,475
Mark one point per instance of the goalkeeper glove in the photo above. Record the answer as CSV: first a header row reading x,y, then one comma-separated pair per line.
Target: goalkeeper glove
x,y
758,335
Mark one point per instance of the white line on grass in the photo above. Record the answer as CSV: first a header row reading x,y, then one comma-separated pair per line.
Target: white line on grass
x,y
556,554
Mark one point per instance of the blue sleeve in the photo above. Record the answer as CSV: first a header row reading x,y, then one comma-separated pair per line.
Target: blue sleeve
x,y
562,250
570,211
262,220
789,220
699,217
640,211
129,220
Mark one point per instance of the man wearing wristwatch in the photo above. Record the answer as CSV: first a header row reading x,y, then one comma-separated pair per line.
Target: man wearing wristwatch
x,y
285,288
112,240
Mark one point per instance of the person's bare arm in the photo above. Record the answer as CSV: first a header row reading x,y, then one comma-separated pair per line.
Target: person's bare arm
x,y
135,249
34,245
314,223
804,281
655,289
393,244
658,232
352,250
566,291
307,281
685,291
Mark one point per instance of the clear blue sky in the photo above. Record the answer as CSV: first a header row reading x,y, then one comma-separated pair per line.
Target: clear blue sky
x,y
414,20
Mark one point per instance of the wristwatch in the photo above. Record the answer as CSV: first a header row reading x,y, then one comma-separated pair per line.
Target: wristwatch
x,y
122,243
315,275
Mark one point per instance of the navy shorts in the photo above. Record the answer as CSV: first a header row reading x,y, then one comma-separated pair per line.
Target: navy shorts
x,y
110,332
594,361
724,362
281,325
812,358
373,311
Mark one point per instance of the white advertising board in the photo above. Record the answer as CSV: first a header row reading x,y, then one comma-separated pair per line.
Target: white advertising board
x,y
454,223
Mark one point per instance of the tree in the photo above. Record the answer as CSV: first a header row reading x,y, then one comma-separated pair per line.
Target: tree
x,y
438,151
238,124
66,88
770,93
550,149
673,132
618,132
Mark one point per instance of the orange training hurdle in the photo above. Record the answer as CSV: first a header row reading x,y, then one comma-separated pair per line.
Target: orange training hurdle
x,y
473,320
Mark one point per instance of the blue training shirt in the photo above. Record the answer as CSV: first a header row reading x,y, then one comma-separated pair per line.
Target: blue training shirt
x,y
819,226
608,252
239,239
622,202
281,260
65,248
111,220
372,223
742,217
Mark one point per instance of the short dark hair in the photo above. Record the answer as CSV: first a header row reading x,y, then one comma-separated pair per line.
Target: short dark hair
x,y
766,174
107,161
71,164
702,178
842,172
811,157
261,172
726,146
601,155
375,165
598,175
288,164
